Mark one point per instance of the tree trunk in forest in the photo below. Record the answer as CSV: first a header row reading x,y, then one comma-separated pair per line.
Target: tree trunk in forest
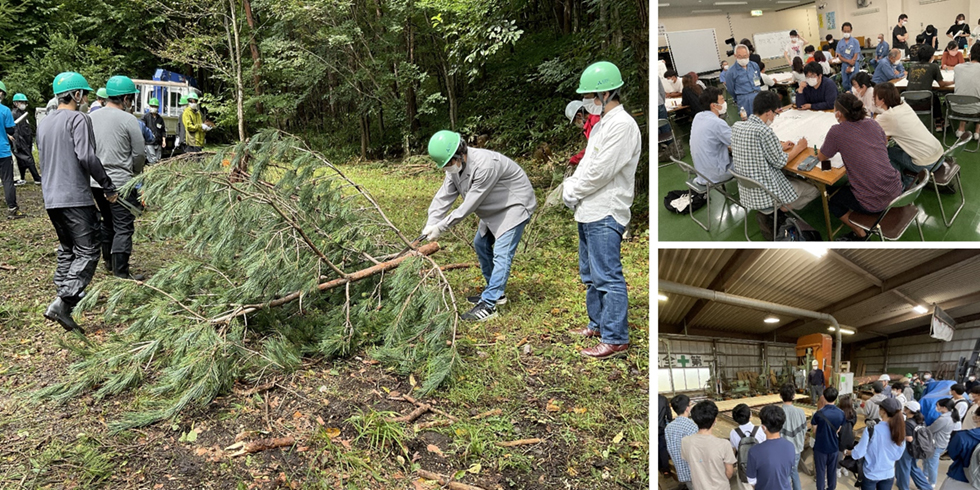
x,y
604,22
236,55
451,93
616,29
256,58
365,128
566,27
410,102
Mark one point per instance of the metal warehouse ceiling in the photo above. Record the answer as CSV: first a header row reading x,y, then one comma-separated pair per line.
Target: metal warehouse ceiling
x,y
869,291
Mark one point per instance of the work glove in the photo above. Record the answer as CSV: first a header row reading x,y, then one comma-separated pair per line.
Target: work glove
x,y
432,232
569,202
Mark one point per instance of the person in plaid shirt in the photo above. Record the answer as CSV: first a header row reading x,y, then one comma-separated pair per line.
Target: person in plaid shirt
x,y
680,428
759,155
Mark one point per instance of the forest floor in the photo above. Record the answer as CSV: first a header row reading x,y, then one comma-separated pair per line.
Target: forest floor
x,y
524,380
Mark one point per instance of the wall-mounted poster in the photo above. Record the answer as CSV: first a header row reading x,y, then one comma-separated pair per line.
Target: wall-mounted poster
x,y
831,22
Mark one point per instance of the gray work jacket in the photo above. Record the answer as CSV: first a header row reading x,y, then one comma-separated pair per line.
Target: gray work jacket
x,y
494,187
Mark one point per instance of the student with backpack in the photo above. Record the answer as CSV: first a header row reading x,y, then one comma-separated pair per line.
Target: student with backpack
x,y
881,447
941,429
771,462
827,421
919,445
960,404
969,422
964,450
743,438
846,436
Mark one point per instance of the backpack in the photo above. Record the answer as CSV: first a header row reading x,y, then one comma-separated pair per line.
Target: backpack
x,y
845,439
923,442
794,230
697,201
956,413
856,466
973,471
742,457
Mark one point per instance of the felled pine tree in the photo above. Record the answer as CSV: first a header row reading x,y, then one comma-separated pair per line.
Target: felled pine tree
x,y
281,257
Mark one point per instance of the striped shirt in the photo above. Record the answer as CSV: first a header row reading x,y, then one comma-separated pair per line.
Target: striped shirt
x,y
758,155
680,428
864,149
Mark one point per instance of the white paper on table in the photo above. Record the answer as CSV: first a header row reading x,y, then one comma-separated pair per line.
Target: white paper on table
x,y
814,126
673,102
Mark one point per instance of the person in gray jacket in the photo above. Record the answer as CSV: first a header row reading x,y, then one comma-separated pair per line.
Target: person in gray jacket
x,y
66,146
496,189
121,148
871,412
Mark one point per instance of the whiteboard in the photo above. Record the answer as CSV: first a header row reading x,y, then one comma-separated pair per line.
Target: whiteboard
x,y
695,51
771,44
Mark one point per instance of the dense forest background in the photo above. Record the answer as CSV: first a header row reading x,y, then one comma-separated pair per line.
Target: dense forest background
x,y
367,78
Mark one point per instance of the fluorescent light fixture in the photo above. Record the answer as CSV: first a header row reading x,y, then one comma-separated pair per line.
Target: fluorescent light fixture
x,y
705,11
843,331
661,297
788,1
756,13
731,3
920,309
771,319
817,251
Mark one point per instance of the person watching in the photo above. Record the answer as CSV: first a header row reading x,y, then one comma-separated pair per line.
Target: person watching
x,y
959,31
795,47
849,52
900,35
881,52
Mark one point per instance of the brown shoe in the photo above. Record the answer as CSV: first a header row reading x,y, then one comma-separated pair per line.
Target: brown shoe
x,y
584,332
606,351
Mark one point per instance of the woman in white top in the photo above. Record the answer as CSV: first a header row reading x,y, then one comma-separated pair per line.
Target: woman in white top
x,y
797,72
864,89
916,148
819,57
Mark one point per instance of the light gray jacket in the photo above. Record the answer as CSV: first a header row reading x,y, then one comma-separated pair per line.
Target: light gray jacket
x,y
494,187
119,144
942,428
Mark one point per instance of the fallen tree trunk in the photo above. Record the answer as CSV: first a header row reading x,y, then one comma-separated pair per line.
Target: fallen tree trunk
x,y
428,249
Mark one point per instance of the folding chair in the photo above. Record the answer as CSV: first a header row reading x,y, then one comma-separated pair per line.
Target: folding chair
x,y
919,98
891,223
665,139
954,101
777,204
947,174
704,189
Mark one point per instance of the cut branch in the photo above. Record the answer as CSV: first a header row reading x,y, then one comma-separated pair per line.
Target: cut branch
x,y
520,442
447,481
423,408
426,250
260,445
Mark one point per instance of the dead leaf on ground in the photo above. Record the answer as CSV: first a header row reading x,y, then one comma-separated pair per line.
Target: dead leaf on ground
x,y
552,406
432,448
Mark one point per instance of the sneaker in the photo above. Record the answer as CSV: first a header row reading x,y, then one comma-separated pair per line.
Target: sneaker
x,y
18,183
476,299
958,134
850,237
481,312
14,213
37,182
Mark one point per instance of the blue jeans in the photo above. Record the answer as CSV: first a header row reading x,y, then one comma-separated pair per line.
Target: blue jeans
x,y
877,485
601,270
496,255
907,466
931,466
662,114
795,474
903,163
826,469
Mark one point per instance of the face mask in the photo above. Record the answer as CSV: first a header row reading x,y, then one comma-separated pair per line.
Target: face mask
x,y
928,376
452,169
22,106
743,61
724,67
769,123
847,35
153,110
973,378
898,63
724,108
795,40
811,82
192,105
959,22
591,107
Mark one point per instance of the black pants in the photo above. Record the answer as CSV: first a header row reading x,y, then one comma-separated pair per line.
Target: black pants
x,y
78,250
118,223
192,149
845,200
25,163
7,176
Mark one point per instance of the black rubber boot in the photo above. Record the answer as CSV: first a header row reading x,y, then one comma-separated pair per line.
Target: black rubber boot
x,y
120,267
59,311
107,256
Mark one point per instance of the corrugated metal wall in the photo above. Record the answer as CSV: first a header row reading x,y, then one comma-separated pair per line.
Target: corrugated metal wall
x,y
921,351
733,356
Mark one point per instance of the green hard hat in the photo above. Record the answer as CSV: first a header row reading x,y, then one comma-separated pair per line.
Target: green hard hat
x,y
120,85
600,77
101,93
154,102
442,147
69,81
183,100
193,95
20,98
3,87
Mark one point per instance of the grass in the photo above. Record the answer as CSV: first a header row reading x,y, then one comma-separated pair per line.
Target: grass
x,y
592,416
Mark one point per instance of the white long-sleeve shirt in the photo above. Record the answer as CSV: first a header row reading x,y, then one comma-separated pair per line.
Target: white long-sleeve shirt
x,y
603,184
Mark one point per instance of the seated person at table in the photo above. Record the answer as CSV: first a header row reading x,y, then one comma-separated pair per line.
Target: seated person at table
x,y
951,56
821,58
690,94
759,155
873,181
672,85
913,50
916,148
808,52
967,78
816,93
767,81
864,89
798,75
892,71
881,52
921,75
711,138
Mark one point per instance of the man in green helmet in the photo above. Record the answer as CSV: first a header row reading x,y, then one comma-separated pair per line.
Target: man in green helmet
x,y
496,189
100,98
154,121
600,192
24,141
193,125
66,146
120,146
7,159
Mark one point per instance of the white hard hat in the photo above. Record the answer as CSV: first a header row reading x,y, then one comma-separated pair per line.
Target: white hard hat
x,y
815,363
572,108
884,377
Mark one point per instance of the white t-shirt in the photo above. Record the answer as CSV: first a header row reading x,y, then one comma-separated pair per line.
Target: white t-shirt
x,y
671,87
734,438
903,125
794,50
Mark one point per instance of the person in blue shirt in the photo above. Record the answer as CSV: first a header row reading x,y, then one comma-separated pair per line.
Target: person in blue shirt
x,y
882,448
960,449
816,93
711,138
849,52
744,80
827,422
7,160
891,71
881,52
772,462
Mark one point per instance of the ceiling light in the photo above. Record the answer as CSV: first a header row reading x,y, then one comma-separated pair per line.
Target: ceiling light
x,y
817,251
920,309
661,297
731,3
843,331
756,13
663,5
705,11
788,1
771,319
